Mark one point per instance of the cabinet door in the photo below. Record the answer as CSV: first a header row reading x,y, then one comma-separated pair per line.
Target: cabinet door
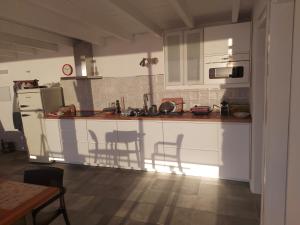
x,y
152,152
53,141
128,144
235,145
34,132
193,57
102,138
219,40
74,141
198,136
173,48
76,152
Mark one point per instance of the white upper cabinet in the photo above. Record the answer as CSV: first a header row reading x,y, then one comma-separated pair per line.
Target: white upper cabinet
x,y
184,57
174,58
218,40
193,57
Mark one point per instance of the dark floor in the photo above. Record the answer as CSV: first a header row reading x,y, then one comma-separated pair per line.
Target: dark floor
x,y
97,196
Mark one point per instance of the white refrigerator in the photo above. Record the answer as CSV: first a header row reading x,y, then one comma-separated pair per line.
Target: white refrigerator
x,y
33,104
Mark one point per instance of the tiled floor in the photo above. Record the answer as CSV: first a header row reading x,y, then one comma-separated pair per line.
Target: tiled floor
x,y
97,196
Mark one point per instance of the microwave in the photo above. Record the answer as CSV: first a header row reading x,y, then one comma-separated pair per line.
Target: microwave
x,y
225,69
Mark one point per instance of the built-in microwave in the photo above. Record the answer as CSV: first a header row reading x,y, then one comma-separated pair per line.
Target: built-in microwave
x,y
224,69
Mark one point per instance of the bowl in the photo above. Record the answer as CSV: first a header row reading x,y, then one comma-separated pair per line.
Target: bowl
x,y
241,114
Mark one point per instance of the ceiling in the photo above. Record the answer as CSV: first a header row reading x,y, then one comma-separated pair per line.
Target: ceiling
x,y
28,26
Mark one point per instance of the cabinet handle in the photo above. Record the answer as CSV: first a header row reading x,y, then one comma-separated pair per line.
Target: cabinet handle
x,y
23,106
25,115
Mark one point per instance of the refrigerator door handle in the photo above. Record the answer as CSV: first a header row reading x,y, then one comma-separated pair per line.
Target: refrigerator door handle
x,y
25,115
24,106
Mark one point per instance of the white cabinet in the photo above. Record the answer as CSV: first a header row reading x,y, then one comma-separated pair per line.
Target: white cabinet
x,y
173,49
187,147
196,135
184,57
235,144
35,135
128,146
191,142
74,141
102,139
152,144
53,140
193,57
218,40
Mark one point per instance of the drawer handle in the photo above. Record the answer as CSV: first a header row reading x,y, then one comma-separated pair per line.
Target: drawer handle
x,y
23,106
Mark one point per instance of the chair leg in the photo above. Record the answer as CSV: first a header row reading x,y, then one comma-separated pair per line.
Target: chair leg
x,y
63,210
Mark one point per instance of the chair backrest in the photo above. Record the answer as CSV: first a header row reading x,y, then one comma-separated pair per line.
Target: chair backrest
x,y
47,176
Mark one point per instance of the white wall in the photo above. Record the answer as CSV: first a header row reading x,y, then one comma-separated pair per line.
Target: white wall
x,y
278,81
44,67
121,59
257,93
293,181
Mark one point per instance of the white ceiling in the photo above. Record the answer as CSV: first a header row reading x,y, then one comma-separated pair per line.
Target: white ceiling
x,y
46,24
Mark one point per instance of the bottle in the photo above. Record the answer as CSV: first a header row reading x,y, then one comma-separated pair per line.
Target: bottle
x,y
118,107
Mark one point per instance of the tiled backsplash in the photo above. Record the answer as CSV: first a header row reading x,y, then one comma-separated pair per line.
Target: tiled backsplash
x,y
95,94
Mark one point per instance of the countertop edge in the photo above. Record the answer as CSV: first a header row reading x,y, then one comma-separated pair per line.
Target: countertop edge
x,y
213,117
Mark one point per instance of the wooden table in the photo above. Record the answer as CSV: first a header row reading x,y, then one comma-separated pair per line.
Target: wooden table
x,y
18,199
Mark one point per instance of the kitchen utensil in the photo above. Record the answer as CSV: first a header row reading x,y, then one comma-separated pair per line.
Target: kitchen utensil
x,y
153,110
224,108
167,107
201,110
178,103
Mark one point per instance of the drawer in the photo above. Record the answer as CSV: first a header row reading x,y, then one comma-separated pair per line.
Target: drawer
x,y
191,135
30,101
102,131
75,152
73,130
192,156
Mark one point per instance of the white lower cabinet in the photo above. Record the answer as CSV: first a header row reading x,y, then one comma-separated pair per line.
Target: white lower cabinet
x,y
152,151
128,145
53,140
74,142
185,147
76,152
102,139
192,135
234,141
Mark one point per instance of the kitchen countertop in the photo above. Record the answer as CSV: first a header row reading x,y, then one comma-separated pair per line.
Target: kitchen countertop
x,y
187,116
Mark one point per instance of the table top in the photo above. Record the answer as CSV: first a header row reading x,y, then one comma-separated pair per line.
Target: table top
x,y
18,199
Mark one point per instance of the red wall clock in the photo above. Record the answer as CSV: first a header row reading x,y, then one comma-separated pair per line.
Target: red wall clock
x,y
67,69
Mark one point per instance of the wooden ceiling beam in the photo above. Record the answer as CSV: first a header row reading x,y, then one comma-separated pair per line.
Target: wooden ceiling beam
x,y
182,12
30,32
236,4
35,16
137,16
8,54
77,11
32,43
17,48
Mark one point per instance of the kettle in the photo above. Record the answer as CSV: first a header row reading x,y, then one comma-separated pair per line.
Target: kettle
x,y
224,108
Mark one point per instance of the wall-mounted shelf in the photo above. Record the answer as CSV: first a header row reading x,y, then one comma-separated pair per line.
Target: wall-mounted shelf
x,y
81,78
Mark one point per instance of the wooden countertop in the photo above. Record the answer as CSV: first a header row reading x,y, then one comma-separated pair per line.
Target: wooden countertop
x,y
18,199
187,116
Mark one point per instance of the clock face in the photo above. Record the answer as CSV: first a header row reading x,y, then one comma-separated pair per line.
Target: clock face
x,y
67,69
